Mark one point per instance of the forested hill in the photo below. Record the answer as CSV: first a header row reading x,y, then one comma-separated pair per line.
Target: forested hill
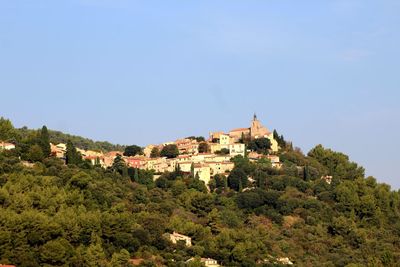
x,y
52,214
57,137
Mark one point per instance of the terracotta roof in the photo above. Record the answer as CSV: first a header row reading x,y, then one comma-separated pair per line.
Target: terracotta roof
x,y
240,129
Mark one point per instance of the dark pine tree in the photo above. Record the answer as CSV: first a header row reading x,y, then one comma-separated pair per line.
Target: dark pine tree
x,y
44,141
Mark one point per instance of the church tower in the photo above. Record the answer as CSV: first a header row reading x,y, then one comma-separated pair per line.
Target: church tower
x,y
257,130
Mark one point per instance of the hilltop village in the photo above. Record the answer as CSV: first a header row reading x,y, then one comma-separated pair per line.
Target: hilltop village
x,y
203,158
244,197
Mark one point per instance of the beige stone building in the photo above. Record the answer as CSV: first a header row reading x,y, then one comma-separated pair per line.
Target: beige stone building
x,y
147,150
203,171
187,146
175,237
256,130
238,133
220,167
237,149
58,150
185,166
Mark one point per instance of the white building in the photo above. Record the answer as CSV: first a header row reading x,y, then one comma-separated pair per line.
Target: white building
x,y
6,146
175,237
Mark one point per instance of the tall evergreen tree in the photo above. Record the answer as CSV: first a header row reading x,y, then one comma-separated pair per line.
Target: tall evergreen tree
x,y
72,156
192,170
119,165
44,141
237,179
136,175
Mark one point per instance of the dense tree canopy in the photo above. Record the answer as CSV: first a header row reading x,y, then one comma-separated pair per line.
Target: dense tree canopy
x,y
132,150
52,214
203,147
155,152
57,137
7,130
170,151
260,145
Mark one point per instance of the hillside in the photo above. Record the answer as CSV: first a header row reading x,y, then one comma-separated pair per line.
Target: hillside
x,y
57,137
76,214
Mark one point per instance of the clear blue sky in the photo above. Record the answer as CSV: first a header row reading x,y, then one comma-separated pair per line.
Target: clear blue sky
x,y
139,72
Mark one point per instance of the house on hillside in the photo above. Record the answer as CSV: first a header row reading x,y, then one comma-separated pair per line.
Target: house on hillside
x,y
176,237
327,179
95,160
237,149
220,167
187,146
110,156
203,172
284,261
6,146
137,162
206,261
58,150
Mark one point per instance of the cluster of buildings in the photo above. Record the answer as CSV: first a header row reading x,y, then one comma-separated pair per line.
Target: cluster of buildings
x,y
177,237
221,148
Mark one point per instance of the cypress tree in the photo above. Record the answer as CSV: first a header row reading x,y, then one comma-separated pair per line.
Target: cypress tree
x,y
72,156
192,170
44,141
136,175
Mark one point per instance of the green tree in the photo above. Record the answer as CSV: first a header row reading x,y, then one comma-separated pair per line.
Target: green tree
x,y
249,200
280,139
223,151
7,131
72,156
44,141
95,254
220,181
260,145
170,151
237,179
35,153
56,252
80,180
136,175
133,150
119,165
155,152
120,259
338,164
203,147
